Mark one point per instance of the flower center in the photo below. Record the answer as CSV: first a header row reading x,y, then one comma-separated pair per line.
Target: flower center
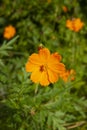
x,y
42,68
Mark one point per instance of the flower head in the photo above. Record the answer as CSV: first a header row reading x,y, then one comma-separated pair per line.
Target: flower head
x,y
68,75
65,9
9,32
45,67
75,24
49,1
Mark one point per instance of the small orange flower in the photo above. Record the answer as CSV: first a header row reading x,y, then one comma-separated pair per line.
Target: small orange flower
x,y
45,67
68,75
65,9
69,24
74,24
72,73
9,32
49,1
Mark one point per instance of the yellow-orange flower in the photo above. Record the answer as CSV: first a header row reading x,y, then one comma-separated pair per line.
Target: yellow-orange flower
x,y
45,67
65,9
75,24
49,1
9,32
68,75
69,24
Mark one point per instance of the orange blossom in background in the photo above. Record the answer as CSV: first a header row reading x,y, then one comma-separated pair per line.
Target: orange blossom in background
x,y
75,24
68,75
9,32
65,9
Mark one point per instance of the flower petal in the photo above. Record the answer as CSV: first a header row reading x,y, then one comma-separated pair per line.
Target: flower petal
x,y
30,67
35,76
44,54
56,56
53,77
44,79
35,59
60,67
40,77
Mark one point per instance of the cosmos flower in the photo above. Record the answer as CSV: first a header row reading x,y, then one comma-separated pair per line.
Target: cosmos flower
x,y
45,67
65,9
49,1
75,24
9,32
68,75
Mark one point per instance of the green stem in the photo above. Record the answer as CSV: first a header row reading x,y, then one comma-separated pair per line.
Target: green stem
x,y
74,50
36,88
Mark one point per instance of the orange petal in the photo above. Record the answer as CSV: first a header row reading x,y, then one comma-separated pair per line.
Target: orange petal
x,y
30,67
35,59
44,80
44,54
65,75
40,77
69,23
56,56
35,76
53,77
57,67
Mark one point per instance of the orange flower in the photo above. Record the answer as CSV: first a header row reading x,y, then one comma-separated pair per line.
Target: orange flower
x,y
68,75
45,67
49,1
65,9
74,24
69,24
78,24
72,74
9,32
